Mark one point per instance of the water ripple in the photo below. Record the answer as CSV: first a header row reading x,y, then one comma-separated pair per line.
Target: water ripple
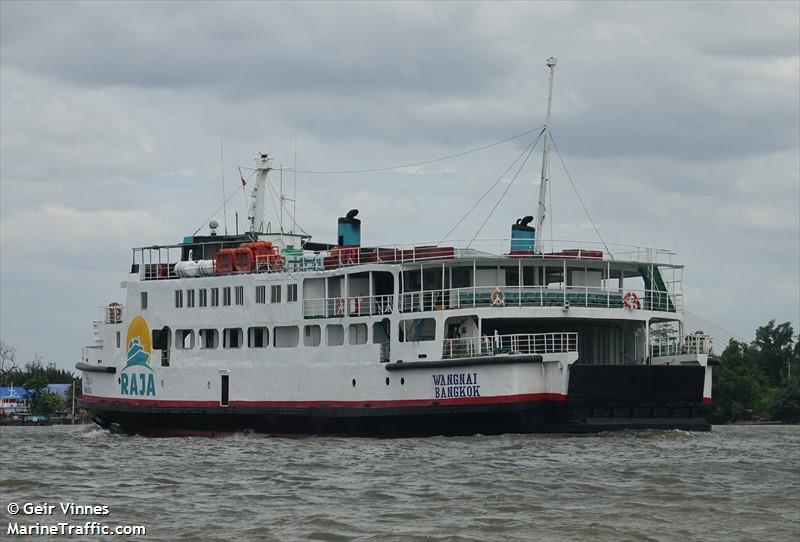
x,y
734,483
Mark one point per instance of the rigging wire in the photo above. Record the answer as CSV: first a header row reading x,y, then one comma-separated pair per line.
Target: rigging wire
x,y
503,195
500,178
580,199
218,208
421,163
291,215
713,329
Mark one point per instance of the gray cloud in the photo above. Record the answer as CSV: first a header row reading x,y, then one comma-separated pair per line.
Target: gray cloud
x,y
680,123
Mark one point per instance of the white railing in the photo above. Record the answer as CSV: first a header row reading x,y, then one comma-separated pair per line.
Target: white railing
x,y
495,296
513,344
157,262
697,343
338,307
539,296
112,314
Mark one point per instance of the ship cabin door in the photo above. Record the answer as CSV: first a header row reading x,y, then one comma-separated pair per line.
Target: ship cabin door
x,y
223,399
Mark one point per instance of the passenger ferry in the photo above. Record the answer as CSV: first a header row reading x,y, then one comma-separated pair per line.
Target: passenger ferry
x,y
276,333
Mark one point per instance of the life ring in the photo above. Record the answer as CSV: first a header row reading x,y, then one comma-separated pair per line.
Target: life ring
x,y
498,298
631,300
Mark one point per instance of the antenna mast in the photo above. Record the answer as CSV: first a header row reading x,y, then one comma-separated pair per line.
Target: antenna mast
x,y
222,178
541,210
256,215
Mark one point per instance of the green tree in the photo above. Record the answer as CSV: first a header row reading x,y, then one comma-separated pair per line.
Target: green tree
x,y
48,403
787,402
739,384
775,344
36,384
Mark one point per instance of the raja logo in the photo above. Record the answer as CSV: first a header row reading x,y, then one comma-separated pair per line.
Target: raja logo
x,y
136,377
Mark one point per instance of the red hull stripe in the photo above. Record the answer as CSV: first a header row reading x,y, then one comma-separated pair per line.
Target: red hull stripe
x,y
500,399
708,401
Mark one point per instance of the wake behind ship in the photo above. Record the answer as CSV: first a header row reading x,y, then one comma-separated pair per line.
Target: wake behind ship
x,y
276,333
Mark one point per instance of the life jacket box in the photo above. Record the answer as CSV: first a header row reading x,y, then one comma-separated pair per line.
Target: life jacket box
x,y
223,262
243,260
262,253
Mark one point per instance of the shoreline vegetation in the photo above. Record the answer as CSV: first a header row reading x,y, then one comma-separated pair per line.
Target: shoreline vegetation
x,y
754,384
759,382
40,405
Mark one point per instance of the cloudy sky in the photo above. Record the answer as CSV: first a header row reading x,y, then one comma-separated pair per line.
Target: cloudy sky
x,y
680,123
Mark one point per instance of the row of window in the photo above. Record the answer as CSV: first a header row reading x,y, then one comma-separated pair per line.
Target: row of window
x,y
412,330
275,293
282,337
200,298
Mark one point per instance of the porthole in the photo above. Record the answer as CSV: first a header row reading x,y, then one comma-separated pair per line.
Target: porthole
x,y
387,380
118,381
403,381
162,383
209,385
354,382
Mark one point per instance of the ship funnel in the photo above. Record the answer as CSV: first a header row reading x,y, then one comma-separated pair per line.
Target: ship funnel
x,y
350,229
523,236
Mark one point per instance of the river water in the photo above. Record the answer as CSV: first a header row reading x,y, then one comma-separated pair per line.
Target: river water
x,y
734,483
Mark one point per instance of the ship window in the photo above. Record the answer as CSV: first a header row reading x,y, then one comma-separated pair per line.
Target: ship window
x,y
312,336
226,296
239,293
215,297
291,292
357,334
462,277
209,338
257,337
178,299
119,339
335,334
285,336
275,293
184,339
143,297
381,331
261,294
232,337
203,297
190,298
417,329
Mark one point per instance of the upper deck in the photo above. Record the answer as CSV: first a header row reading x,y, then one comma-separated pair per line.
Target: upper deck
x,y
158,262
348,280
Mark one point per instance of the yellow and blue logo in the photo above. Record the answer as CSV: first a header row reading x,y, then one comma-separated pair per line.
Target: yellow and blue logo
x,y
132,380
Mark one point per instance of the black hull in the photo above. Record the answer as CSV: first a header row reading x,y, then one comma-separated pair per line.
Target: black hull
x,y
609,397
600,398
345,421
498,420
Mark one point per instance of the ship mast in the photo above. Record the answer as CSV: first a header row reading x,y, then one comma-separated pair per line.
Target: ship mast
x,y
256,215
541,210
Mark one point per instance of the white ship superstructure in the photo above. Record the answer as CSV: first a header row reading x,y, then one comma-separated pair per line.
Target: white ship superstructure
x,y
276,333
